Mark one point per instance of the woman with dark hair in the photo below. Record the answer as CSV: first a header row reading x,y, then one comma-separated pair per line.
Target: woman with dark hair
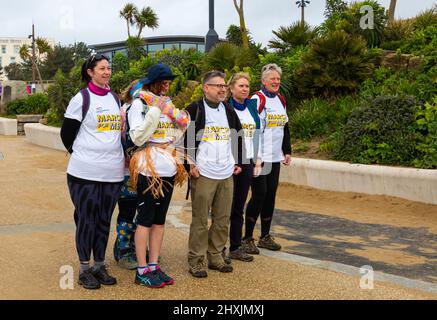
x,y
154,167
91,132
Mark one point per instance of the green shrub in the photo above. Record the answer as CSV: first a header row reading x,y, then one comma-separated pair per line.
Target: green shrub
x,y
37,103
334,65
292,37
225,56
312,118
426,120
382,131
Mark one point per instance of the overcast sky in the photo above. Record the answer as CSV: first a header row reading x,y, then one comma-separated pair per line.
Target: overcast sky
x,y
93,22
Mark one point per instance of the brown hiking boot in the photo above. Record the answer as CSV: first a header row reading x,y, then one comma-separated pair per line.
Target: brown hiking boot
x,y
268,242
222,267
199,270
226,258
241,255
249,246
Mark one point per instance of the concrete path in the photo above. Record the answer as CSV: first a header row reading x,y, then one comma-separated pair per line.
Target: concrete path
x,y
37,248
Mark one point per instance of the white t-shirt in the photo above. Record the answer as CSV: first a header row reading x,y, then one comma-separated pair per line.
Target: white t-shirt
x,y
273,120
97,150
164,163
249,127
214,157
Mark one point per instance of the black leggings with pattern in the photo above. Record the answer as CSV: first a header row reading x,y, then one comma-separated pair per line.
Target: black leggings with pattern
x,y
94,203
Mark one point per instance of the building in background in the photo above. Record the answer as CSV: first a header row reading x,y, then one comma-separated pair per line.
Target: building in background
x,y
10,50
153,44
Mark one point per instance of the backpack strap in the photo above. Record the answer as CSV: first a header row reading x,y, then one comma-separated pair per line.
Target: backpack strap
x,y
117,99
85,102
284,102
262,100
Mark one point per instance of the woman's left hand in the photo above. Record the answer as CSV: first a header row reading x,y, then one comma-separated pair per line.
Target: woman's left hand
x,y
287,160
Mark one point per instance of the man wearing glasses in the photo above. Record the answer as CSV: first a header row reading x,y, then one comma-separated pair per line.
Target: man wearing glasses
x,y
209,141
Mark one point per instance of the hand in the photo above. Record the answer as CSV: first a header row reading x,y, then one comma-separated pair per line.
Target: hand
x,y
194,172
258,168
287,160
161,103
237,170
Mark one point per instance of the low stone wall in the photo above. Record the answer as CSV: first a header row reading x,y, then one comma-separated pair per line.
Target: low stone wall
x,y
408,183
23,119
44,136
8,127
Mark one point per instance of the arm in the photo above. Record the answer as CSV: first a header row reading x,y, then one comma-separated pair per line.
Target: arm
x,y
69,131
142,127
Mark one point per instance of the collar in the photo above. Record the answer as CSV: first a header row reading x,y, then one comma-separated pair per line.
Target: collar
x,y
210,104
97,90
267,93
238,105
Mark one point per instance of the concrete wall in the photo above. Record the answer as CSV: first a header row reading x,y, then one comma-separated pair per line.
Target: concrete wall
x,y
44,136
408,183
8,127
412,184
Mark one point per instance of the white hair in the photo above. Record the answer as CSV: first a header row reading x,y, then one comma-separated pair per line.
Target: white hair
x,y
269,68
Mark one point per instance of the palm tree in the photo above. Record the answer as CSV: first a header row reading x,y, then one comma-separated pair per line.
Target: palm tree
x,y
302,4
288,38
128,13
391,11
244,33
146,18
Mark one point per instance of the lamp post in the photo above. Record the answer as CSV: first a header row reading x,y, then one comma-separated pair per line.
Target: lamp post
x,y
211,37
32,36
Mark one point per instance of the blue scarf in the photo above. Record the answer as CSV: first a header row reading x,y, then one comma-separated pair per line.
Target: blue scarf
x,y
268,93
238,105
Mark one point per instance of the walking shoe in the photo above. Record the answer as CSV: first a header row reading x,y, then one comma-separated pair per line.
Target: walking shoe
x,y
240,254
226,258
163,276
249,246
148,279
199,270
88,281
222,267
268,242
101,274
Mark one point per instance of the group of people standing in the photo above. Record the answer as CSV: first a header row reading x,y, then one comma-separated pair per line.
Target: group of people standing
x,y
224,144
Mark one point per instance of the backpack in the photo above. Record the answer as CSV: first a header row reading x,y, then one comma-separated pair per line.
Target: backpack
x,y
262,99
86,101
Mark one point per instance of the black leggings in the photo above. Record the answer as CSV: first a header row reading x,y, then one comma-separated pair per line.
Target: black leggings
x,y
153,211
241,189
94,203
263,200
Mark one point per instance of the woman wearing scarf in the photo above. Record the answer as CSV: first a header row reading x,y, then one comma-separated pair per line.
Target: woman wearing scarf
x,y
91,132
246,109
275,148
155,168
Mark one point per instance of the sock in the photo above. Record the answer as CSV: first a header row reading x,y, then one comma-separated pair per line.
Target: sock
x,y
84,267
153,266
142,270
97,265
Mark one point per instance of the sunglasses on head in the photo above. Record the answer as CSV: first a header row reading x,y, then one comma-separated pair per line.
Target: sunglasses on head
x,y
96,57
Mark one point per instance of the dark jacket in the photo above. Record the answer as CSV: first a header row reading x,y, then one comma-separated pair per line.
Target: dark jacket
x,y
251,105
197,115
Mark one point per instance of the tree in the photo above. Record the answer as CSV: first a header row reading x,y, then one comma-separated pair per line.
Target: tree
x,y
234,35
334,8
302,4
244,32
288,38
128,13
80,51
391,11
16,71
146,18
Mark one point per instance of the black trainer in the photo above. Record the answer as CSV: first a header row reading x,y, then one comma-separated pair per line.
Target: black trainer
x,y
101,274
88,281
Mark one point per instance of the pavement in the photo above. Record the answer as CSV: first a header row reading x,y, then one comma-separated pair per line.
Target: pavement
x,y
38,259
